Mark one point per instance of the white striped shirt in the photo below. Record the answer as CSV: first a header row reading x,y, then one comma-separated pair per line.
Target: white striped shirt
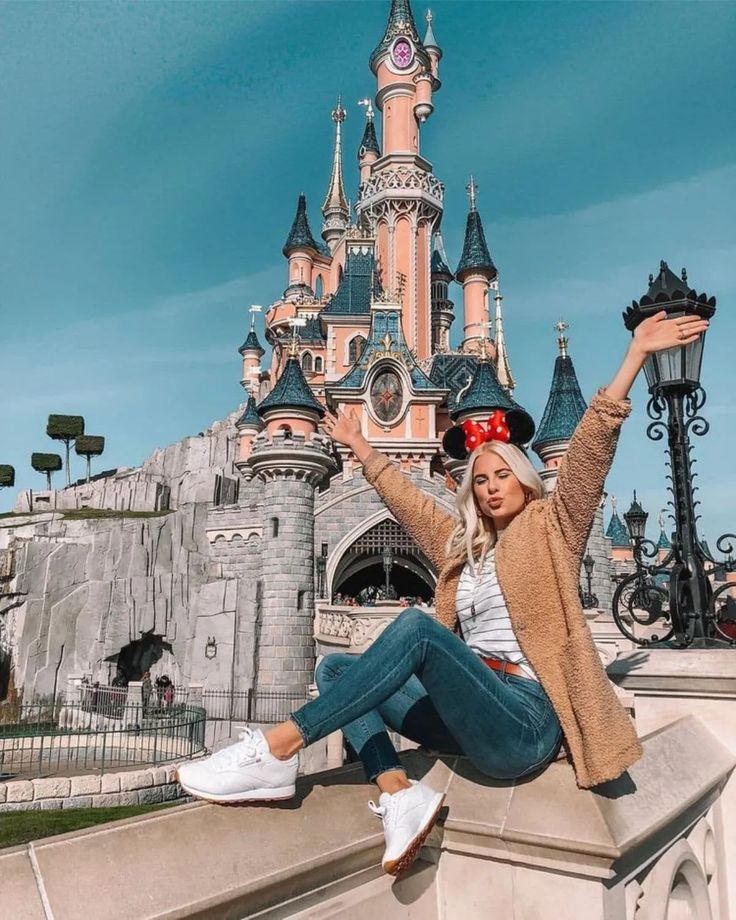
x,y
484,618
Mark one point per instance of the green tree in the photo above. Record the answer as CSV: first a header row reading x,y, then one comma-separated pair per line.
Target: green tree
x,y
89,445
46,463
66,428
7,475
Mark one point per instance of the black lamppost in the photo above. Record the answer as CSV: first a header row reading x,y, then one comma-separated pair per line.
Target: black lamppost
x,y
677,591
388,562
587,598
321,564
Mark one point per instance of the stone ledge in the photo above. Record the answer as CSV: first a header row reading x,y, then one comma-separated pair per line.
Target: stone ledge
x,y
233,862
682,672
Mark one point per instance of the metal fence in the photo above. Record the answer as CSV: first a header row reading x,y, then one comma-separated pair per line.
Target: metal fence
x,y
51,736
265,706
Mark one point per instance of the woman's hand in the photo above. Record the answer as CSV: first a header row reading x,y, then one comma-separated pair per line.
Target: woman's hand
x,y
654,334
658,333
345,429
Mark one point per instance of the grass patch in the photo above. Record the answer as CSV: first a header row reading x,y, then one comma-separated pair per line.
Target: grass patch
x,y
8,514
90,514
19,827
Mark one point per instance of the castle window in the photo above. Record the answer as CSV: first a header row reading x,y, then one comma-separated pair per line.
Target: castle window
x,y
318,365
274,527
318,287
307,362
355,348
300,600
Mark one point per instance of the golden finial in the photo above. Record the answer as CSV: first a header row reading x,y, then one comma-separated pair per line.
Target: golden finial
x,y
560,328
339,114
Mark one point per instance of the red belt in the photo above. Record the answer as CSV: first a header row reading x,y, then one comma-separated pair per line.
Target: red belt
x,y
507,667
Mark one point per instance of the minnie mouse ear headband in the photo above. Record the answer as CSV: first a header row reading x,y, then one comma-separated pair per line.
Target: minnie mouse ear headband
x,y
511,426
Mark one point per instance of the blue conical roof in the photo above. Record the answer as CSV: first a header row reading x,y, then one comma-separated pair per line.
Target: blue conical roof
x,y
252,344
369,141
617,532
300,235
565,405
663,542
400,22
291,392
250,416
484,393
439,264
475,255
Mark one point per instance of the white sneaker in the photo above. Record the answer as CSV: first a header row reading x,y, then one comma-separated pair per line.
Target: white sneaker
x,y
245,771
408,817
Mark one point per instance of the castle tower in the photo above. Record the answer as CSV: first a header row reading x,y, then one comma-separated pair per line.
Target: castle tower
x,y
251,353
369,151
300,249
248,425
475,272
442,307
564,409
335,209
399,194
618,535
503,368
291,459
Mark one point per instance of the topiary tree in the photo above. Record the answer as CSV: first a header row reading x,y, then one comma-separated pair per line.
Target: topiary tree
x,y
66,428
89,445
7,475
46,463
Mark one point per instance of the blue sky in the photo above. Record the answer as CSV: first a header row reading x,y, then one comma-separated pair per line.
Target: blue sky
x,y
151,156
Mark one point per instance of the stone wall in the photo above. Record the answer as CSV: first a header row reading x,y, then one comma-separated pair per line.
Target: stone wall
x,y
132,787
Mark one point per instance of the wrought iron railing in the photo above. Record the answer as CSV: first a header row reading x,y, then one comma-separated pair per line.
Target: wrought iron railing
x,y
264,706
49,736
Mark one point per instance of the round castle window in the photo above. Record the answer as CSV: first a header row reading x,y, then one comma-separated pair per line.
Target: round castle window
x,y
386,395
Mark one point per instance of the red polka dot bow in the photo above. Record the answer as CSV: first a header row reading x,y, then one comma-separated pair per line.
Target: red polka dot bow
x,y
496,430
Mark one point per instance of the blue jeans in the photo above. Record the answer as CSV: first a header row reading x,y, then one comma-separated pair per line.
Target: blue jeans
x,y
423,681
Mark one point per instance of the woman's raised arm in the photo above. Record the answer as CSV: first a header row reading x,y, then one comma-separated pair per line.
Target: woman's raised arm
x,y
584,467
416,511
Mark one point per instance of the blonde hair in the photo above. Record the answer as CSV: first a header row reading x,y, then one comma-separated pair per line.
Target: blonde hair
x,y
475,533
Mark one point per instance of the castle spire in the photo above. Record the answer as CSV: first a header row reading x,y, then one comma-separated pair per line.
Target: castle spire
x,y
475,256
503,368
400,23
300,235
335,208
429,40
565,405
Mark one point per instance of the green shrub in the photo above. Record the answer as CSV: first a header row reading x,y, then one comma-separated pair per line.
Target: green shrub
x,y
89,445
7,475
65,427
46,463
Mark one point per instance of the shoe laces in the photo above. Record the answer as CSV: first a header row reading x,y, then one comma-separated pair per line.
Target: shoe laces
x,y
387,813
243,752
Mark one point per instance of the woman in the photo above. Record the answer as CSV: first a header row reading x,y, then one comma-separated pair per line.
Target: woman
x,y
520,672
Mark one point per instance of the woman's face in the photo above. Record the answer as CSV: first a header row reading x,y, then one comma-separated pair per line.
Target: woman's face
x,y
498,493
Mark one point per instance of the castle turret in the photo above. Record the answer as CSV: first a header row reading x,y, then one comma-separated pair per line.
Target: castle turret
x,y
475,272
251,352
430,44
369,151
300,249
249,425
335,209
618,534
291,459
564,409
442,307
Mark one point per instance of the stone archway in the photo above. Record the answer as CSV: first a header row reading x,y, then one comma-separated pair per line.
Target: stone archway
x,y
359,571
